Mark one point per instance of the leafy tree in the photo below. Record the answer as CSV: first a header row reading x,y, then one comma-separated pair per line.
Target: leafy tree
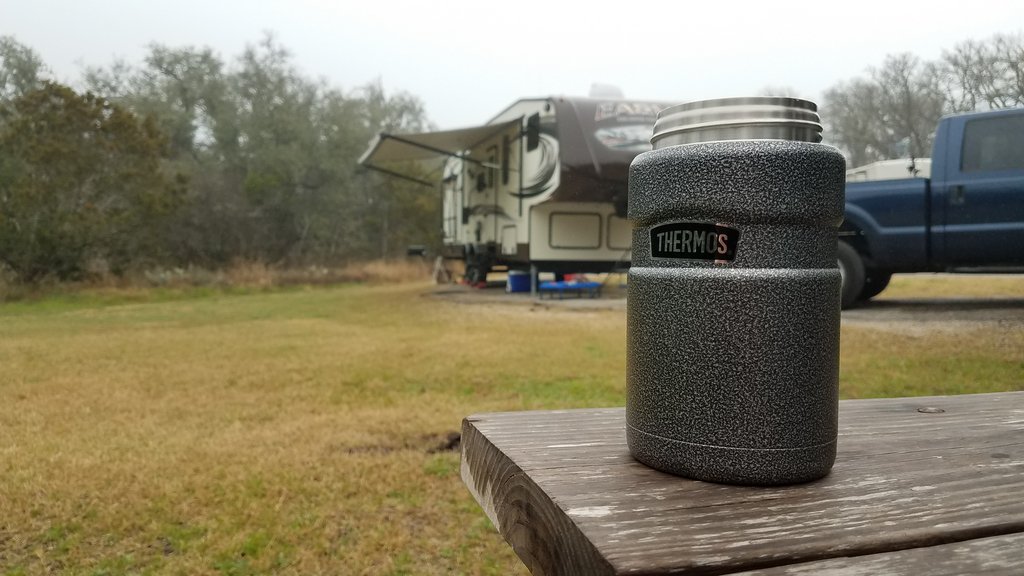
x,y
394,213
21,69
270,154
80,181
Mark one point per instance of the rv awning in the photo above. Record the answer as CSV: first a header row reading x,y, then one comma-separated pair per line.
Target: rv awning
x,y
389,152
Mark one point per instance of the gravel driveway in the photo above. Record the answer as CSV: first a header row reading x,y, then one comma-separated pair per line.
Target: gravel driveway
x,y
938,314
909,315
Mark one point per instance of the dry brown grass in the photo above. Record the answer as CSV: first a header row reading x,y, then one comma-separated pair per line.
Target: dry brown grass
x,y
268,432
241,276
377,271
292,431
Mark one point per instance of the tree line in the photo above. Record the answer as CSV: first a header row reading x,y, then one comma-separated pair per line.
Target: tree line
x,y
188,159
891,111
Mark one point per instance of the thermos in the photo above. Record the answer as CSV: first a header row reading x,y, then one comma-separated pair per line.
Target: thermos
x,y
734,293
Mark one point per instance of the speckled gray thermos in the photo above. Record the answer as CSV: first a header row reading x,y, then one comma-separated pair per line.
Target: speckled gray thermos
x,y
733,309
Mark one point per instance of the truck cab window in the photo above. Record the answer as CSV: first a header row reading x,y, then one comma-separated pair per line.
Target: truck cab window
x,y
994,144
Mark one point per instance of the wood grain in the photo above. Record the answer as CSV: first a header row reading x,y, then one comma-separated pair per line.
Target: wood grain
x,y
562,488
996,555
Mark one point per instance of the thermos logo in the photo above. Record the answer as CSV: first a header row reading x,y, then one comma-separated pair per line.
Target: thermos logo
x,y
694,241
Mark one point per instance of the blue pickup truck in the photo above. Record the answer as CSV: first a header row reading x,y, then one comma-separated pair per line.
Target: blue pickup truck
x,y
969,216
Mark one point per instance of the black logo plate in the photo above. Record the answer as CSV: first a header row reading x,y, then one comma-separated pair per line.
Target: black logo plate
x,y
694,241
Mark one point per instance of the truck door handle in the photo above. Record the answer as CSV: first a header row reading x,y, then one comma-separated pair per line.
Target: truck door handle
x,y
956,195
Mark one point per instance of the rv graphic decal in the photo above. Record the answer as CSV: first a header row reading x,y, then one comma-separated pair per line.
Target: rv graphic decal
x,y
632,138
626,126
633,112
541,181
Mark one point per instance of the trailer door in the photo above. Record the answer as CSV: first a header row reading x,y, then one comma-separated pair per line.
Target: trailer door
x,y
452,202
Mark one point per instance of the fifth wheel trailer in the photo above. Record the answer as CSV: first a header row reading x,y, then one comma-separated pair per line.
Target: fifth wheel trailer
x,y
543,184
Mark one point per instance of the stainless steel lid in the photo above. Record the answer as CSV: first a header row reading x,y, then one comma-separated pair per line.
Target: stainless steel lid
x,y
746,118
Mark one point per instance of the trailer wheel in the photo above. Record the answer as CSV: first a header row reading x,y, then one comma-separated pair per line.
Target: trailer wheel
x,y
475,274
874,282
851,268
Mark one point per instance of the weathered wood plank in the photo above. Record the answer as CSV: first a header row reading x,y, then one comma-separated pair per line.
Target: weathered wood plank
x,y
996,555
562,488
543,537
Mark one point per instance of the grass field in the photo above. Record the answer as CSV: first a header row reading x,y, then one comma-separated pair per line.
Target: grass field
x,y
954,286
295,430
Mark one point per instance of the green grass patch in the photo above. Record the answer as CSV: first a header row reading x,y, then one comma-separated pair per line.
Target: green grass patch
x,y
878,364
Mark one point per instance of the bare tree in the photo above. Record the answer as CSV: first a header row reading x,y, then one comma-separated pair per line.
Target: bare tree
x,y
851,112
779,90
967,75
984,75
889,114
911,102
1011,53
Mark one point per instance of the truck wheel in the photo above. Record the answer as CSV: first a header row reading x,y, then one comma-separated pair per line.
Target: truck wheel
x,y
874,282
851,268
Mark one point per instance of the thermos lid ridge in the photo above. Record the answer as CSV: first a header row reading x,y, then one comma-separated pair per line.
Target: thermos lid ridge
x,y
745,118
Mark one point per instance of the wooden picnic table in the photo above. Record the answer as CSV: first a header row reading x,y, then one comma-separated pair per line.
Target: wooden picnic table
x,y
930,485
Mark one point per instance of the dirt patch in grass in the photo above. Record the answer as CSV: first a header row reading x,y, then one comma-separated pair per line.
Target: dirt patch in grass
x,y
430,444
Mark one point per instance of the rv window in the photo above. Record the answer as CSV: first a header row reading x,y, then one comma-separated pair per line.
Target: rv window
x,y
533,132
492,171
505,151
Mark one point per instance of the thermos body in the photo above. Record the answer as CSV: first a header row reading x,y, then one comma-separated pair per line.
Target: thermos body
x,y
734,293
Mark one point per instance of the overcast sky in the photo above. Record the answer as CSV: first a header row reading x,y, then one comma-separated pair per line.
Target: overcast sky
x,y
467,60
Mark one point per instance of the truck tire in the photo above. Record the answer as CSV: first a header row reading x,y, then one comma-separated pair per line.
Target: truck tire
x,y
851,267
874,282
